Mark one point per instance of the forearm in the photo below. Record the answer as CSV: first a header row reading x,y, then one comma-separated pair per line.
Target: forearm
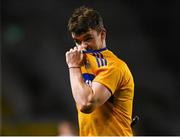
x,y
82,93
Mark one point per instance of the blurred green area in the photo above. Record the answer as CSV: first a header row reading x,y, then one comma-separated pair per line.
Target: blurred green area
x,y
13,34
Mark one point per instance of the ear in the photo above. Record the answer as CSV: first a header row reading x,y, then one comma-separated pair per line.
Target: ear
x,y
103,34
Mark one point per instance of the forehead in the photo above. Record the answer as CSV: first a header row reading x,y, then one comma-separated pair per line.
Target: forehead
x,y
89,33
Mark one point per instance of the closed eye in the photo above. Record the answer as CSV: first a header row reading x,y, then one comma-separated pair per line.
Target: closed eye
x,y
88,39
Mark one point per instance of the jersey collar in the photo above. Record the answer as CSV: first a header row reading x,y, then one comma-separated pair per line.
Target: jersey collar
x,y
94,51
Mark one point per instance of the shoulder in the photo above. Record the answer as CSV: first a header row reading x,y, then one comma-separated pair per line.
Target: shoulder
x,y
115,61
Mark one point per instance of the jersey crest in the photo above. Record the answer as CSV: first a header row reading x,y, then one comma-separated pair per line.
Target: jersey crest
x,y
88,78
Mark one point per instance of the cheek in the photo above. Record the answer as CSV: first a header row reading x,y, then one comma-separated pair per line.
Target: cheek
x,y
92,42
98,41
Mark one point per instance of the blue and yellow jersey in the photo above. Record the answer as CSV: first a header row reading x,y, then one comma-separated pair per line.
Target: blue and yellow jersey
x,y
113,118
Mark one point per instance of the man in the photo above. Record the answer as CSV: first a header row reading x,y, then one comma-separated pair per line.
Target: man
x,y
101,83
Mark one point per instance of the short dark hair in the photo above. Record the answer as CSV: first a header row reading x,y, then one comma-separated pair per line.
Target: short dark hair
x,y
83,19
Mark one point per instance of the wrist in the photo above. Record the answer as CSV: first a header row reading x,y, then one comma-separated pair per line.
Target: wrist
x,y
71,67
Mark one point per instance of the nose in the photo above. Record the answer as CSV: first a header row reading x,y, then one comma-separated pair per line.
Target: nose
x,y
84,44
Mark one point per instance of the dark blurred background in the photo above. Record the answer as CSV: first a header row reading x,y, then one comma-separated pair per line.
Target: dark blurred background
x,y
36,93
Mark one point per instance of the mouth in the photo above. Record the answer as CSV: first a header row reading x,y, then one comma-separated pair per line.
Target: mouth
x,y
88,48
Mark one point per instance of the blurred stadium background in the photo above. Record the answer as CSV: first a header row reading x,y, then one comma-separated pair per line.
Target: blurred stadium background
x,y
35,90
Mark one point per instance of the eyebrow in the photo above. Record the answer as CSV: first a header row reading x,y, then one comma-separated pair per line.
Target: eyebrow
x,y
85,36
88,35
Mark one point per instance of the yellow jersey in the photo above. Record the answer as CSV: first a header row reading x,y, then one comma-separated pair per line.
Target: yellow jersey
x,y
114,117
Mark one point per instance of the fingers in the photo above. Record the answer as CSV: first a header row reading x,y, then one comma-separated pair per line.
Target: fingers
x,y
78,49
74,56
73,50
81,48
